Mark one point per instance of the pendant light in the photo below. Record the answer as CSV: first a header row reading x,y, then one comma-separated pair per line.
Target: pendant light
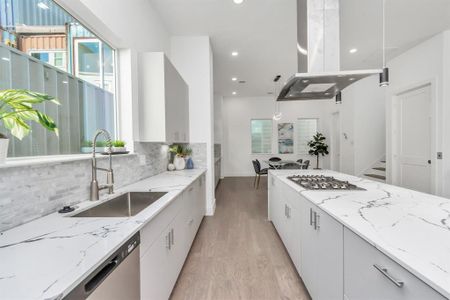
x,y
277,114
339,98
384,76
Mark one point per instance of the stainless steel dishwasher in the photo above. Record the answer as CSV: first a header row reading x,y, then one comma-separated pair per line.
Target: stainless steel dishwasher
x,y
117,278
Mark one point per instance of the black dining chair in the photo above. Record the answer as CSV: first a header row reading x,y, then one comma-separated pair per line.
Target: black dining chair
x,y
258,172
305,164
291,166
273,159
300,161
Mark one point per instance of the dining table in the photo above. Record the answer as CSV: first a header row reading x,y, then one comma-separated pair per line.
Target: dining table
x,y
279,164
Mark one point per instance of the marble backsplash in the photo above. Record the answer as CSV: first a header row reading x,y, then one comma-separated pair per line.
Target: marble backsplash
x,y
30,192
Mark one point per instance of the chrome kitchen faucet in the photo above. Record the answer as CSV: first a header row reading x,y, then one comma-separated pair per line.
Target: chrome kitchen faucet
x,y
95,188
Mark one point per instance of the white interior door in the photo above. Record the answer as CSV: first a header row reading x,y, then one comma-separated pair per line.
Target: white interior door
x,y
414,139
335,142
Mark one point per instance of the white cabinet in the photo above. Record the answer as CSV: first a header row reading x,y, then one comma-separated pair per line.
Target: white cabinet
x,y
312,238
167,239
321,255
163,100
371,275
286,217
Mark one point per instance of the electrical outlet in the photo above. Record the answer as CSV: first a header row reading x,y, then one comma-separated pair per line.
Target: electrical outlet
x,y
439,155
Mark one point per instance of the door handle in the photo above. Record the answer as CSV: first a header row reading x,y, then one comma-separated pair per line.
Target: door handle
x,y
384,271
168,241
315,220
429,161
310,217
173,236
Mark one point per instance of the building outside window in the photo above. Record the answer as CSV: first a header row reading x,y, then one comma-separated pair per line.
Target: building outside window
x,y
74,65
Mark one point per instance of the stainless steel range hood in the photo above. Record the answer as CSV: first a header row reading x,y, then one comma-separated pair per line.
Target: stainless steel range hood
x,y
323,85
318,52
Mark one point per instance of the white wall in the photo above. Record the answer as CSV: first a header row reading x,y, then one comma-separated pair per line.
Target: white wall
x,y
236,142
425,64
192,56
218,123
363,121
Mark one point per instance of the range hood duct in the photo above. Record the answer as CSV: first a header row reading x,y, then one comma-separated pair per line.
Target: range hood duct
x,y
318,52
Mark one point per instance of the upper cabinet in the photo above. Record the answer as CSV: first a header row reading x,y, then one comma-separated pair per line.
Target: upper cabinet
x,y
163,101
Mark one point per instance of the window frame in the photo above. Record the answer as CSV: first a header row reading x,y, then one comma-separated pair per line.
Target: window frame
x,y
251,136
71,74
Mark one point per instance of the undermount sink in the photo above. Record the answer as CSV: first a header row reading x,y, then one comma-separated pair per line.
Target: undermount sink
x,y
125,205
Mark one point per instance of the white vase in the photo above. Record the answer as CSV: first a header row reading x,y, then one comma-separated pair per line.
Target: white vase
x,y
171,167
179,163
3,149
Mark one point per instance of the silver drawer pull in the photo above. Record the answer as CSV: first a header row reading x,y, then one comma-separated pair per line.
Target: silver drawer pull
x,y
384,271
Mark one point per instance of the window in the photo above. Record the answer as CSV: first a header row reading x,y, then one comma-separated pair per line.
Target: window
x,y
261,131
54,58
306,129
46,50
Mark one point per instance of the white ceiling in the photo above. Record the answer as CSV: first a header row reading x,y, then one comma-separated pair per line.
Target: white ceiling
x,y
408,22
264,33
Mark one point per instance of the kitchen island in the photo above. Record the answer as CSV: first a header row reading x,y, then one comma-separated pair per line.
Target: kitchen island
x,y
383,242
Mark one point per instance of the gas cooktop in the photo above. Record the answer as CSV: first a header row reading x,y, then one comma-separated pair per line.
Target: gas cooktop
x,y
322,183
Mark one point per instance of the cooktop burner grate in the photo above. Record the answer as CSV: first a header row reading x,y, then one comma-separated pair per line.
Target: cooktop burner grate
x,y
323,183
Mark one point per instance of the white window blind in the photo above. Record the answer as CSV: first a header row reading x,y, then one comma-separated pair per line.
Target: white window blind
x,y
261,131
306,129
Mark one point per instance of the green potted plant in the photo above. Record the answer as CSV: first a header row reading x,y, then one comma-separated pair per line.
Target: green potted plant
x,y
318,146
179,153
16,113
119,146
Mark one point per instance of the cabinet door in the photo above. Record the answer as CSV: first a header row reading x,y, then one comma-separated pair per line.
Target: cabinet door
x,y
157,269
176,104
308,247
329,253
364,281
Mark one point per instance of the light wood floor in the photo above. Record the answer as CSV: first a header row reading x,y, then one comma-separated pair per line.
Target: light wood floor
x,y
237,253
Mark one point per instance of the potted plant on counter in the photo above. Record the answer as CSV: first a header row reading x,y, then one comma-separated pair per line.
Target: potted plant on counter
x,y
318,146
180,154
118,146
16,112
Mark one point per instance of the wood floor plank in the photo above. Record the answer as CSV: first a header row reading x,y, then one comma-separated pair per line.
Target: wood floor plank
x,y
237,253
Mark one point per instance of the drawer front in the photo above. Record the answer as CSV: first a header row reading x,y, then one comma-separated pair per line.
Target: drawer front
x,y
371,275
151,231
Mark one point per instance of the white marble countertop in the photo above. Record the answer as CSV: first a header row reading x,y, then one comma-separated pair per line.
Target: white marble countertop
x,y
410,227
48,257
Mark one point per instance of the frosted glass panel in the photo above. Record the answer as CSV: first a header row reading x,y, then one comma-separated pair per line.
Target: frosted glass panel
x,y
84,107
306,129
261,131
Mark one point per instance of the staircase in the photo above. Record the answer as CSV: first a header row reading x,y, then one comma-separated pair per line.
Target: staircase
x,y
376,172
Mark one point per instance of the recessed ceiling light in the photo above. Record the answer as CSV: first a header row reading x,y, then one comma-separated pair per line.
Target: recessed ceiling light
x,y
42,5
351,79
5,58
234,93
234,78
353,50
238,1
305,80
235,53
327,94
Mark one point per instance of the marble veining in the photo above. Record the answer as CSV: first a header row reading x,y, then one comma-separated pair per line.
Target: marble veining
x,y
410,227
48,257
